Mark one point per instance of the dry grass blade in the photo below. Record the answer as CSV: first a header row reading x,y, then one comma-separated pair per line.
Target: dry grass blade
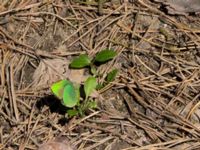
x,y
152,104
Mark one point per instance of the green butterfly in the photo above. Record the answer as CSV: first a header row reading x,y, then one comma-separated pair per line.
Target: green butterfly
x,y
67,92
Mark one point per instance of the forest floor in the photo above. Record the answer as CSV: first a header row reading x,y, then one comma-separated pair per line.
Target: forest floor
x,y
153,103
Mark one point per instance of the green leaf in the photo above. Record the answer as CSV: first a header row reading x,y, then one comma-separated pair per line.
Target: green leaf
x,y
105,55
90,85
70,97
99,86
77,90
80,62
72,112
93,70
58,88
92,104
80,111
111,75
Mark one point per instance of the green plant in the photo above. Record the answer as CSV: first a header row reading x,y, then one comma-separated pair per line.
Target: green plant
x,y
84,60
111,75
69,93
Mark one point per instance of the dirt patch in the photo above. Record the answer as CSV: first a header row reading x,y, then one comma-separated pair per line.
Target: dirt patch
x,y
152,104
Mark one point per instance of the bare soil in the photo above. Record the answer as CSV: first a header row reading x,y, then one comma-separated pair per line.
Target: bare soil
x,y
152,104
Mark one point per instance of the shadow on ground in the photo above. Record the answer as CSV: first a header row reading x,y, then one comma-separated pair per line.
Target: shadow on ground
x,y
55,106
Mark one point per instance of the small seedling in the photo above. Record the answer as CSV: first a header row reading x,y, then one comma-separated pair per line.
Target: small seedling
x,y
80,62
89,86
105,55
111,75
109,78
69,93
84,60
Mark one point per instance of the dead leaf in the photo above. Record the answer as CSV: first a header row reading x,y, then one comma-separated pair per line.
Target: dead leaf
x,y
57,144
77,75
52,70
